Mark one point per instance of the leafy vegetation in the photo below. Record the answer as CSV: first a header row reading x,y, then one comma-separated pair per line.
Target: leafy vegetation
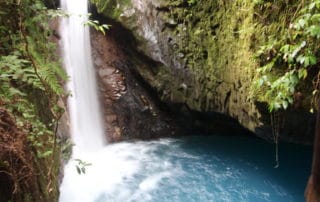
x,y
112,7
81,166
31,76
28,67
97,26
290,58
192,2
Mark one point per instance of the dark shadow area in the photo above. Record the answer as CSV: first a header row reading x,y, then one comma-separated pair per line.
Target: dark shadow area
x,y
52,4
287,121
6,187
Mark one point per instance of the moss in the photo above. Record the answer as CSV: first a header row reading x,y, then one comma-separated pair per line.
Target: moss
x,y
111,8
210,46
213,40
220,39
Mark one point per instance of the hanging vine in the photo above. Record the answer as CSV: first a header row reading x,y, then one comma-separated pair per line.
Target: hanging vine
x,y
290,59
286,60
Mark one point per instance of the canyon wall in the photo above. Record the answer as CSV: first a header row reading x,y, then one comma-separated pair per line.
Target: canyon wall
x,y
201,56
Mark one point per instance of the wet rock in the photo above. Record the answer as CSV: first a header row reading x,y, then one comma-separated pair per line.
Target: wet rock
x,y
199,45
129,111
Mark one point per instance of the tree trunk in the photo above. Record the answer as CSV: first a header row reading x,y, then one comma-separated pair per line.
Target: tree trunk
x,y
312,193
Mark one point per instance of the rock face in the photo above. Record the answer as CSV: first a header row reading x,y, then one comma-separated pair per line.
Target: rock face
x,y
201,55
129,111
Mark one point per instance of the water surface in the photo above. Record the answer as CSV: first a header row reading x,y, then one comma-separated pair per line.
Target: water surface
x,y
199,168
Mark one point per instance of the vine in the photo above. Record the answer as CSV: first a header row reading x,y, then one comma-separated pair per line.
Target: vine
x,y
290,59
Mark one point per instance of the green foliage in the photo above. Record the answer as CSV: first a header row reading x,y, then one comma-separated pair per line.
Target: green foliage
x,y
97,26
18,70
288,59
81,166
111,7
192,2
66,149
30,86
28,67
56,13
258,2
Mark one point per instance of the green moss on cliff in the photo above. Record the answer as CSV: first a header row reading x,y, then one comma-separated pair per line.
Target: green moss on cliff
x,y
207,52
112,8
216,40
221,38
288,59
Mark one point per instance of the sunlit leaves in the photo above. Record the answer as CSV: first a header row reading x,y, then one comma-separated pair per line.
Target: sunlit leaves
x,y
314,31
57,13
97,26
19,70
288,59
302,73
191,2
28,67
278,91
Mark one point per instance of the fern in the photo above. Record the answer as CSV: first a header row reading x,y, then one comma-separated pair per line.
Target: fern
x,y
28,65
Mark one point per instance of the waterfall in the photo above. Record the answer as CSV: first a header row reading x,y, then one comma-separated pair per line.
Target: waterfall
x,y
185,169
85,115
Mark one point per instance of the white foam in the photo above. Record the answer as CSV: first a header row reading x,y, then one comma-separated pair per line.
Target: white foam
x,y
115,174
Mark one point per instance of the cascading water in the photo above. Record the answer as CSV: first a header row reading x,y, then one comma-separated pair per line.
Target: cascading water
x,y
86,125
187,169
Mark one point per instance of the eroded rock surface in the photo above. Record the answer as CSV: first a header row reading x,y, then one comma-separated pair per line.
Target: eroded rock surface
x,y
203,57
129,111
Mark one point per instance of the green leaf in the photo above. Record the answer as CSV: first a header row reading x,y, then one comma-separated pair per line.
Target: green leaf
x,y
300,24
106,26
290,100
313,59
260,82
309,60
312,6
78,170
314,31
316,17
302,73
83,170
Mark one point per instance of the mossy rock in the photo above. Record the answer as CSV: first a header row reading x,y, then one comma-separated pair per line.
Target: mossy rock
x,y
209,48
